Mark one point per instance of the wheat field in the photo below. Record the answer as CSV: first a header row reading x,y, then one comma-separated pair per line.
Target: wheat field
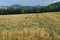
x,y
37,26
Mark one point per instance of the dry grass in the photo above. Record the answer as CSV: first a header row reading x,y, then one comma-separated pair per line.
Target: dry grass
x,y
27,34
45,26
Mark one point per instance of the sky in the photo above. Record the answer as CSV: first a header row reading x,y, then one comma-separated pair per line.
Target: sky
x,y
27,2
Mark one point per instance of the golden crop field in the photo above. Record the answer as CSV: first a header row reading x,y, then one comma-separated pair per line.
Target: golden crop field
x,y
37,26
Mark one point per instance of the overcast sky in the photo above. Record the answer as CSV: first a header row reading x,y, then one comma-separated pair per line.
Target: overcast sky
x,y
27,2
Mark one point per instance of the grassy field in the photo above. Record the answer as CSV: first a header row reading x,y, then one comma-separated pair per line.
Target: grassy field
x,y
44,26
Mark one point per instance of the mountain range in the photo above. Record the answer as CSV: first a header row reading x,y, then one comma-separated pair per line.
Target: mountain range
x,y
18,6
55,4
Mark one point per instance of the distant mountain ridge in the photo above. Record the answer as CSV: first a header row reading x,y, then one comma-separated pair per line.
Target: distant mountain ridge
x,y
55,4
15,6
3,7
29,7
19,6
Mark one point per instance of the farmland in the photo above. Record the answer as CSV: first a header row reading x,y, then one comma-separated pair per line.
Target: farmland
x,y
37,26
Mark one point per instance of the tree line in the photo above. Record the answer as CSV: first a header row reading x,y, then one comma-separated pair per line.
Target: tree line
x,y
34,9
